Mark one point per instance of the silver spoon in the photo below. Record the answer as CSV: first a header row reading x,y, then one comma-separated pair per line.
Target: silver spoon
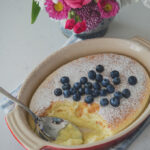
x,y
47,127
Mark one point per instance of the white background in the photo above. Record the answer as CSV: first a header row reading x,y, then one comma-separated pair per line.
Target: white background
x,y
23,46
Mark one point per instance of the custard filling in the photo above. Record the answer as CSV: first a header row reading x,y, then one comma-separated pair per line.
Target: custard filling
x,y
92,127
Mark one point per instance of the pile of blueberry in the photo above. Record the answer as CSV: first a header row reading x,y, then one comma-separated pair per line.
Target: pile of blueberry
x,y
100,87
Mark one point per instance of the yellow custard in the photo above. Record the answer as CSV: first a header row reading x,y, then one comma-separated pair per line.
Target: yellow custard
x,y
84,116
70,135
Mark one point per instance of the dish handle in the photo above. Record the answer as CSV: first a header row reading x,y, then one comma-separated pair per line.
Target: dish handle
x,y
141,41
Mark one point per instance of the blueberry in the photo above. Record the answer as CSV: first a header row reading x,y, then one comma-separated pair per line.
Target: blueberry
x,y
67,93
66,86
57,120
115,102
114,74
76,97
95,93
110,88
92,74
88,91
103,92
58,92
96,85
89,99
73,91
99,68
132,80
126,93
116,80
88,85
64,79
81,91
83,80
77,85
99,77
118,94
104,102
105,82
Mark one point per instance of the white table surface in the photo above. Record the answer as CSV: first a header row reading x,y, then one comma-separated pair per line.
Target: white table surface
x,y
23,46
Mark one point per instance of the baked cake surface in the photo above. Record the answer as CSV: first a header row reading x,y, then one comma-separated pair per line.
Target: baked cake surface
x,y
113,118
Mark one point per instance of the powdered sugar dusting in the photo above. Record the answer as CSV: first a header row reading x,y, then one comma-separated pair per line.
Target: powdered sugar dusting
x,y
80,67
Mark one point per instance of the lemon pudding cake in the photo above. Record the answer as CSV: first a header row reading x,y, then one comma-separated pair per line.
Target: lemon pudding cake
x,y
101,94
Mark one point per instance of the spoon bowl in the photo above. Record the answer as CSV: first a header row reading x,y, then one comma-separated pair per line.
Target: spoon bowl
x,y
49,127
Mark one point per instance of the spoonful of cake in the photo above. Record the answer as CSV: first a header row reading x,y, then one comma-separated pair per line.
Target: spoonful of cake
x,y
47,127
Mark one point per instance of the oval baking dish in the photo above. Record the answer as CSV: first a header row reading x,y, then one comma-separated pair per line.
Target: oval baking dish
x,y
17,119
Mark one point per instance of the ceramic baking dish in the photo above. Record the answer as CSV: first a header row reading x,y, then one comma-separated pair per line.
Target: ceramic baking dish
x,y
17,119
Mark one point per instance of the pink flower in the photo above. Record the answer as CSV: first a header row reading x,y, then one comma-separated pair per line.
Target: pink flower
x,y
91,14
77,3
70,24
57,10
79,27
108,8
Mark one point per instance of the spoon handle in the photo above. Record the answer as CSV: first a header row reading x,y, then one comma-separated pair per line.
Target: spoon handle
x,y
14,99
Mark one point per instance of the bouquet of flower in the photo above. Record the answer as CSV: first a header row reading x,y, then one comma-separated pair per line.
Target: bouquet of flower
x,y
79,15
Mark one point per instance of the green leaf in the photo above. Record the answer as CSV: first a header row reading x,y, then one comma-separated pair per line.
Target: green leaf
x,y
77,18
71,14
35,11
